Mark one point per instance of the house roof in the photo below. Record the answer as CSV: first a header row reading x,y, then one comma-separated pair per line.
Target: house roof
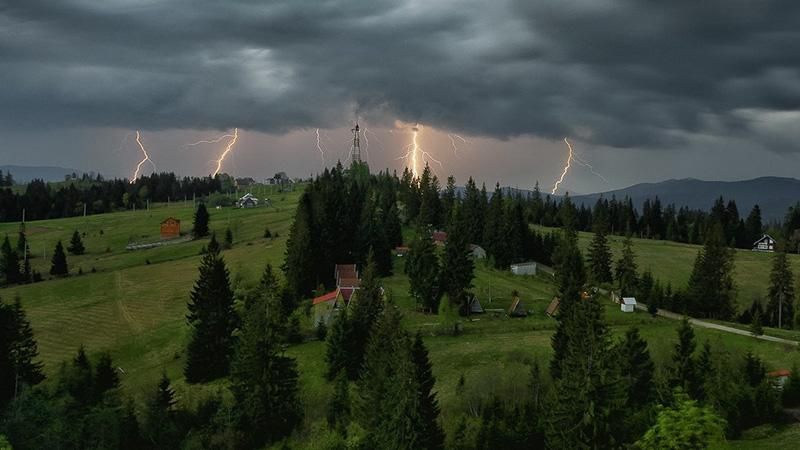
x,y
349,282
171,219
346,271
517,308
439,236
524,264
347,293
552,308
779,373
629,300
326,297
764,237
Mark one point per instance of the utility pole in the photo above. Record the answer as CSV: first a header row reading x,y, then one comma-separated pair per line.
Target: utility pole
x,y
780,308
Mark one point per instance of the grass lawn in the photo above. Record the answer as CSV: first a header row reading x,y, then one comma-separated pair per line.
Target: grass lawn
x,y
672,262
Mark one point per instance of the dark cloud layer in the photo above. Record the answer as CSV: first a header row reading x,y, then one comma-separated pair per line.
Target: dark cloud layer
x,y
625,73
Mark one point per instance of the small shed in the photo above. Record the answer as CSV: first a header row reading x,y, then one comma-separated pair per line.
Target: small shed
x,y
765,244
628,304
477,251
475,306
527,268
552,308
170,228
439,237
247,201
517,309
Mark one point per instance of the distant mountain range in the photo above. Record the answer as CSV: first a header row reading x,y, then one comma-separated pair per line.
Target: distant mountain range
x,y
24,174
772,194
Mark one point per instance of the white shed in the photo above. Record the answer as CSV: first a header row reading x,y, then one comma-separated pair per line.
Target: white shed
x,y
628,304
528,268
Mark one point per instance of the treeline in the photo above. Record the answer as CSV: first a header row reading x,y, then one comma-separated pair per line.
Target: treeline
x,y
341,217
42,200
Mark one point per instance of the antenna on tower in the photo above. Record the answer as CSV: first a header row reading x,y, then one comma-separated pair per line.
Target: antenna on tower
x,y
356,143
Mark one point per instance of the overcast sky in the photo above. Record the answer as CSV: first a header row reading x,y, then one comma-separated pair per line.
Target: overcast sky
x,y
646,90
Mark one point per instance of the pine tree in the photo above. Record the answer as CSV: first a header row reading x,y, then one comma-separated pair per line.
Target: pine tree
x,y
18,352
492,235
228,239
105,378
9,263
703,370
626,272
212,320
780,308
200,225
422,268
337,353
59,262
756,329
637,368
367,308
22,241
388,390
589,396
683,365
431,434
160,428
570,276
599,257
339,409
711,289
263,379
213,245
458,269
80,381
76,244
299,265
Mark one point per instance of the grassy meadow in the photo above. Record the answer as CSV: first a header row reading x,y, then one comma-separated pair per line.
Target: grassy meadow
x,y
134,303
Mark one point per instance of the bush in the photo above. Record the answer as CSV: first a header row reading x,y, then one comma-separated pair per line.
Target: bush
x,y
267,233
322,331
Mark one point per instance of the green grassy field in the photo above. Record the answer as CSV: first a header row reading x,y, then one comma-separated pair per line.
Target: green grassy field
x,y
672,262
135,303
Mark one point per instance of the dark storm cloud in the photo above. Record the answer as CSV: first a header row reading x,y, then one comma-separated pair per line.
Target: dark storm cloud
x,y
618,73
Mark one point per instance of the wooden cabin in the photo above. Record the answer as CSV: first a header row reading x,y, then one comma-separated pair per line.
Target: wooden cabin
x,y
170,228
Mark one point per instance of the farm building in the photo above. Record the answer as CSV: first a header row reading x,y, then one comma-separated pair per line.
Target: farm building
x,y
475,306
528,268
477,251
326,305
439,237
628,304
247,201
779,377
346,275
170,228
517,309
401,251
765,244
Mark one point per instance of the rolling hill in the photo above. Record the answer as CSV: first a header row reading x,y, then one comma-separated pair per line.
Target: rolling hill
x,y
772,194
24,174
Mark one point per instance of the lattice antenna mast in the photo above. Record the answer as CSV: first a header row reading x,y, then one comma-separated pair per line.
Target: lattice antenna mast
x,y
356,143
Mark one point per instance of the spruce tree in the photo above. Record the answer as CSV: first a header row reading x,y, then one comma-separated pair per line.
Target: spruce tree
x,y
263,379
76,244
599,257
160,428
367,308
637,369
589,397
299,264
337,353
212,321
9,263
683,364
431,434
422,268
22,241
18,353
339,409
58,265
626,272
228,239
703,370
711,289
571,277
105,377
458,269
780,307
200,225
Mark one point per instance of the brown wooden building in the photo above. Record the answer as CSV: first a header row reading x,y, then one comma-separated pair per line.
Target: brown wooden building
x,y
170,228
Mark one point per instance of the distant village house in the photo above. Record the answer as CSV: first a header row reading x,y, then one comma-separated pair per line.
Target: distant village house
x,y
765,244
247,201
528,268
628,304
170,228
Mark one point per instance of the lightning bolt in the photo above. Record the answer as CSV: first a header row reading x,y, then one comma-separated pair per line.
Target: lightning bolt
x,y
210,141
415,154
453,138
228,149
141,163
566,168
583,162
366,141
319,147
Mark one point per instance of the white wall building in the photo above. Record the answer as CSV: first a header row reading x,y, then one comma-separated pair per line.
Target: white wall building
x,y
628,304
528,268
